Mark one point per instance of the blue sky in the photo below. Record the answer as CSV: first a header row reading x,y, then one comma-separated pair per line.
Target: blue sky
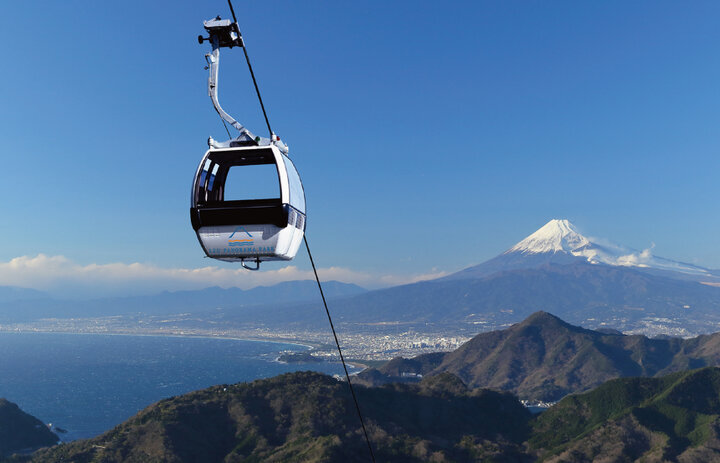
x,y
430,136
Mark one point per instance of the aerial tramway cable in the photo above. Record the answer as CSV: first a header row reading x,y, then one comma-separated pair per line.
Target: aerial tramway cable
x,y
307,246
252,74
337,343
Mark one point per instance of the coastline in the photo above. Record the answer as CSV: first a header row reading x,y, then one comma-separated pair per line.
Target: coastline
x,y
168,380
310,345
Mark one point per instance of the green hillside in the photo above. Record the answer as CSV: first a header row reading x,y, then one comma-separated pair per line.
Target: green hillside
x,y
673,418
310,417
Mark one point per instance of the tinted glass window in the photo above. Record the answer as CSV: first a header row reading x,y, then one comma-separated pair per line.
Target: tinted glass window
x,y
211,181
297,195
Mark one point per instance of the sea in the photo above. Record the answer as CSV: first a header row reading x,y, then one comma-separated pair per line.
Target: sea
x,y
86,384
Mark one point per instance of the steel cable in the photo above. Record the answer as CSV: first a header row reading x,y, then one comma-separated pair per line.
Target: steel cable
x,y
307,246
337,343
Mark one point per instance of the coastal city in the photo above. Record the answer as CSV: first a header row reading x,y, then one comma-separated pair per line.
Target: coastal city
x,y
361,346
358,342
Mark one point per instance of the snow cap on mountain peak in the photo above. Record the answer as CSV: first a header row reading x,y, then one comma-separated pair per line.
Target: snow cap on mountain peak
x,y
558,235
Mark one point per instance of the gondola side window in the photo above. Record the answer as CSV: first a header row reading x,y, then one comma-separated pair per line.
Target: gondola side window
x,y
204,172
297,195
252,182
213,175
207,181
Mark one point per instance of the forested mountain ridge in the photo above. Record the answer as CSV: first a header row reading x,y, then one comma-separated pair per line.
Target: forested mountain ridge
x,y
545,358
672,418
310,417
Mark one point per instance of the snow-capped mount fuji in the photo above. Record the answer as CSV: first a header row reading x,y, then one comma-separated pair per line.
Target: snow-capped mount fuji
x,y
559,270
554,236
559,242
556,269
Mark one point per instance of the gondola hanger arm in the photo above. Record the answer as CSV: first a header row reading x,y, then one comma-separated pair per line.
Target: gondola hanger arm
x,y
224,33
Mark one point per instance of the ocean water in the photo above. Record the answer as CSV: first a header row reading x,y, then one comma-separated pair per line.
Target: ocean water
x,y
87,383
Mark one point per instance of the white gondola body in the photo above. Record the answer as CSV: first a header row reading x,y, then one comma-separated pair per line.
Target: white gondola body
x,y
245,240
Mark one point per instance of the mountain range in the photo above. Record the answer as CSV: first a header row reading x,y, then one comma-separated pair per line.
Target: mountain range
x,y
309,417
544,358
14,294
20,304
556,269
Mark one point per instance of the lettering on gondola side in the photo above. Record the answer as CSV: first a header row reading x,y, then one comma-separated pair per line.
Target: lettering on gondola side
x,y
243,251
238,241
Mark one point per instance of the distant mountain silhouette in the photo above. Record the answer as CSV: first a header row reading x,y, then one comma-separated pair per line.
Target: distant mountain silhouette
x,y
545,358
16,293
168,302
555,269
576,292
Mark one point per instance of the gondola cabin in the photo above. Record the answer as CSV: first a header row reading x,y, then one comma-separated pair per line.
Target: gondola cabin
x,y
248,205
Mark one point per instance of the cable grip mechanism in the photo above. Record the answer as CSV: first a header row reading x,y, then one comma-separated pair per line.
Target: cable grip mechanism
x,y
223,33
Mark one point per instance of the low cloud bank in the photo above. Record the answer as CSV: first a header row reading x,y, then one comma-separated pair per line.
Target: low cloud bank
x,y
644,258
62,277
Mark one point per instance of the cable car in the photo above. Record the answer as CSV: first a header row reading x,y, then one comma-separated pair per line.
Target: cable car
x,y
248,202
248,229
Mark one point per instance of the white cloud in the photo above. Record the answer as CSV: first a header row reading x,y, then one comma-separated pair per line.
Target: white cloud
x,y
638,259
60,276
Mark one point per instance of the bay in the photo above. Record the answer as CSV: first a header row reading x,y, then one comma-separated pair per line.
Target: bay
x,y
89,383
